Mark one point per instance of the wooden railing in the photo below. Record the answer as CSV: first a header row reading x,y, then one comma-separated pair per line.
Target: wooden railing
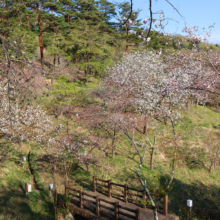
x,y
141,194
96,206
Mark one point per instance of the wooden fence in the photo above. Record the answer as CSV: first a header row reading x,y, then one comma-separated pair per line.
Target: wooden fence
x,y
141,194
113,208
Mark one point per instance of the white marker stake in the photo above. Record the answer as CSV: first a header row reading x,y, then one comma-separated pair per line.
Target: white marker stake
x,y
189,204
50,188
27,188
24,159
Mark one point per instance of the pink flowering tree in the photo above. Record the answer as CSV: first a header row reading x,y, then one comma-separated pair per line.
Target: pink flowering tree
x,y
157,89
20,120
76,149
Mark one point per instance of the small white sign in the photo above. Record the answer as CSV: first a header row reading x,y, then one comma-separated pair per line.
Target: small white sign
x,y
28,188
24,158
189,203
51,186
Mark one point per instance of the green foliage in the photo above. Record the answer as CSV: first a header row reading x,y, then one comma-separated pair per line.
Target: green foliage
x,y
204,125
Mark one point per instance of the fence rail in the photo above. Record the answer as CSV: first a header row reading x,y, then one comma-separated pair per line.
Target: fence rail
x,y
142,193
113,211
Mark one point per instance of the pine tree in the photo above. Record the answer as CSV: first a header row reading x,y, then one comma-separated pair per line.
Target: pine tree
x,y
131,23
88,43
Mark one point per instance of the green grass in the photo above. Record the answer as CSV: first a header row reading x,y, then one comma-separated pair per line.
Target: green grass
x,y
15,204
191,181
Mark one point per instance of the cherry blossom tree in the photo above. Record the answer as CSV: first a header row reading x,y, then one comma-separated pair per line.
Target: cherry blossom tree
x,y
20,120
153,86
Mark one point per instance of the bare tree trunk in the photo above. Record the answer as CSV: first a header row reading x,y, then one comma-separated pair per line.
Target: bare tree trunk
x,y
127,42
113,143
52,79
197,102
28,23
3,30
41,42
210,168
165,121
145,125
88,169
152,159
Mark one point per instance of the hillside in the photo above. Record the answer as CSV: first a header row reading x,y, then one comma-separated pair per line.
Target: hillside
x,y
192,178
87,90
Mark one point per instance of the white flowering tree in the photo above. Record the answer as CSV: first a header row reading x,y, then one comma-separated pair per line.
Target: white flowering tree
x,y
20,123
19,119
156,89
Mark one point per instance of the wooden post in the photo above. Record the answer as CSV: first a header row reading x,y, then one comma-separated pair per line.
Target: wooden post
x,y
66,188
109,188
126,193
94,184
165,205
80,199
97,205
116,210
144,198
138,214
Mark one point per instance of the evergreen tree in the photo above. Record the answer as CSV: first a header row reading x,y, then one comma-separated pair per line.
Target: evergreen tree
x,y
126,25
90,45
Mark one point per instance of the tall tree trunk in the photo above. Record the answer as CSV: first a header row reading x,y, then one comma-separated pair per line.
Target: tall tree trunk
x,y
28,23
145,125
152,159
88,169
127,42
113,143
41,43
3,29
87,60
210,167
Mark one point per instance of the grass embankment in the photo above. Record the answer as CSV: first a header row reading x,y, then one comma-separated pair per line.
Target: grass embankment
x,y
192,178
15,204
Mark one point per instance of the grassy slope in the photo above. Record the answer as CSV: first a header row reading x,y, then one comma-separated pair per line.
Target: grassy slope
x,y
192,181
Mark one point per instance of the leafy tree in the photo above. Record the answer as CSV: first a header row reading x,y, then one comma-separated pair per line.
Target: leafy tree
x,y
91,46
126,25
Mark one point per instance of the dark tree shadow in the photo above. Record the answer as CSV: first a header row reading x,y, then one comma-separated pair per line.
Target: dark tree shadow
x,y
15,203
206,199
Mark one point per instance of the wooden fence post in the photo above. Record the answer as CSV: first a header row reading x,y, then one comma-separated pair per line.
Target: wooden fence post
x,y
109,188
66,189
94,184
126,193
138,214
97,205
144,198
116,210
80,199
165,205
